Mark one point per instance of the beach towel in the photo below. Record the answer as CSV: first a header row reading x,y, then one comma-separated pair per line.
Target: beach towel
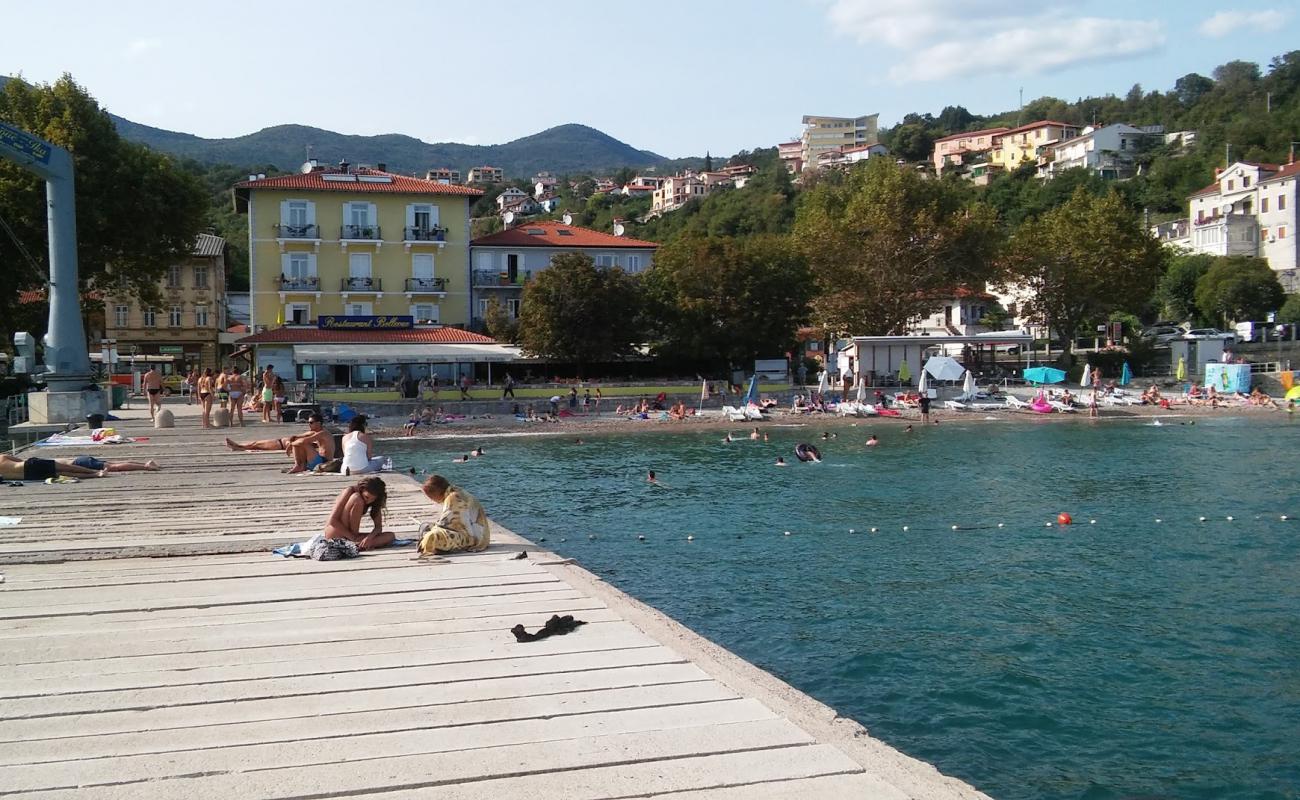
x,y
304,549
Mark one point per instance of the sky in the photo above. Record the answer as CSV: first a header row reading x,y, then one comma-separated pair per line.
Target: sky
x,y
677,77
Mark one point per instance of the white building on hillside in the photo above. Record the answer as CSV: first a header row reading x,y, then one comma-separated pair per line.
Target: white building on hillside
x,y
1250,210
1108,151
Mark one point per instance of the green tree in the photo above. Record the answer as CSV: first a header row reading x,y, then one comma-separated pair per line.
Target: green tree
x,y
727,300
1239,288
882,242
1084,260
1290,310
137,212
912,143
572,311
1176,293
498,322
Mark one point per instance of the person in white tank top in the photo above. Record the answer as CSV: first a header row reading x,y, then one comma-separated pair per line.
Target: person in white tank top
x,y
357,447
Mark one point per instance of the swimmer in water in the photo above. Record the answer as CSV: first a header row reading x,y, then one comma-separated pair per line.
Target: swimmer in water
x,y
476,452
872,441
754,434
650,477
780,462
461,460
908,429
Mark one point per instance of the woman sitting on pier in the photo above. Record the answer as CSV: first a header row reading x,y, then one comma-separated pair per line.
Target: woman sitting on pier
x,y
461,524
366,496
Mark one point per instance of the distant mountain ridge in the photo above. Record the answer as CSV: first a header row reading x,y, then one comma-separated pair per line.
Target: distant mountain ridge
x,y
563,149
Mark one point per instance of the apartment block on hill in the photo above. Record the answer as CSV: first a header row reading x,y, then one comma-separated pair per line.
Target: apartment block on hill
x,y
676,191
1021,145
485,175
963,149
353,241
1109,151
832,134
445,175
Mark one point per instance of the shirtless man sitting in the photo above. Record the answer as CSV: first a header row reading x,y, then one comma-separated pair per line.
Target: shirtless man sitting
x,y
38,469
308,450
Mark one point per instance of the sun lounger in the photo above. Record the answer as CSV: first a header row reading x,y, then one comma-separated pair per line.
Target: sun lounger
x,y
1016,403
733,414
1062,407
955,405
753,413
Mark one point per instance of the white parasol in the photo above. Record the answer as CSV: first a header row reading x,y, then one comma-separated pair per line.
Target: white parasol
x,y
968,384
923,385
1086,380
862,390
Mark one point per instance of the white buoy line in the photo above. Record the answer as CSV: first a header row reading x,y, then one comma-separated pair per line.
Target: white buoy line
x,y
876,529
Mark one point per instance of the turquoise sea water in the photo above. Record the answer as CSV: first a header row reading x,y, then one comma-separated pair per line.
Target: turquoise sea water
x,y
1119,659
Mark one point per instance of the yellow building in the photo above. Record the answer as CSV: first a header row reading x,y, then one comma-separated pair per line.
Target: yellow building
x,y
353,241
1022,145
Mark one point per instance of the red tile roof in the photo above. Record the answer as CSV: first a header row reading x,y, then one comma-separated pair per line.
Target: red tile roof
x,y
1286,171
550,236
294,335
1213,188
396,184
1042,123
970,134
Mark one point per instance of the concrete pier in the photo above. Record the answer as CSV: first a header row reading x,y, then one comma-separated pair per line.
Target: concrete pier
x,y
151,647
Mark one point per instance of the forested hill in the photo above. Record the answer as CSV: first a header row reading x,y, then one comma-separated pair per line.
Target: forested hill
x,y
1239,110
562,149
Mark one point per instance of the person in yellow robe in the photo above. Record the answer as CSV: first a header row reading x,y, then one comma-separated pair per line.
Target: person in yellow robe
x,y
461,524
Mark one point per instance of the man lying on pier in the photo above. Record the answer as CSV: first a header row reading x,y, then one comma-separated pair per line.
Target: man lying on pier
x,y
308,450
38,469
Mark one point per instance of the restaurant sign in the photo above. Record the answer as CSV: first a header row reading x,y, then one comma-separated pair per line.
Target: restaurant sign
x,y
364,323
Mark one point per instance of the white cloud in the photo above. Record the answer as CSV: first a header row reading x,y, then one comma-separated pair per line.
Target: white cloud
x,y
945,38
138,48
1225,22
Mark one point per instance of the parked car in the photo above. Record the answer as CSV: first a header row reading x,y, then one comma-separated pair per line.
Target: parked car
x,y
1163,334
1211,333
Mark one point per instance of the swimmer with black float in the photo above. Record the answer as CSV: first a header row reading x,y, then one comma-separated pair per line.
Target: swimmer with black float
x,y
461,460
476,452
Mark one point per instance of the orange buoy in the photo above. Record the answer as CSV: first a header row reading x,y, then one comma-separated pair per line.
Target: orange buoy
x,y
1063,519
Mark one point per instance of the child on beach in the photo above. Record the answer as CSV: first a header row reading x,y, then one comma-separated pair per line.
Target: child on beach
x,y
461,523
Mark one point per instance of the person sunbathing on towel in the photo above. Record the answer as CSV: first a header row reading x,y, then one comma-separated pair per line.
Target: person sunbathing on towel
x,y
461,523
366,496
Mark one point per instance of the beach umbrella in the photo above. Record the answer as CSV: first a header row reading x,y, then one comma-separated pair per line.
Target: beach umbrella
x,y
823,383
704,393
924,383
904,374
1181,373
751,394
1087,376
1044,375
1293,393
1125,375
862,390
968,384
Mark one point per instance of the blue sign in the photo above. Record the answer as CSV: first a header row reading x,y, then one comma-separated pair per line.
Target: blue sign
x,y
359,323
24,143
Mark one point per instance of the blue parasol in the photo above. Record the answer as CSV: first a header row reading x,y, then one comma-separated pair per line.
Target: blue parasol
x,y
751,394
1125,375
1044,375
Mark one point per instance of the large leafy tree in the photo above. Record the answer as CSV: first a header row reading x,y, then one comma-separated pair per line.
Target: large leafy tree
x,y
137,212
1176,293
1239,288
575,312
1084,260
726,300
882,242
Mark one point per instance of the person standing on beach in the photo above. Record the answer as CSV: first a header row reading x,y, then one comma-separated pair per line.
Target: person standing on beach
x,y
925,409
236,386
192,384
573,399
508,389
268,392
205,396
152,383
464,388
223,393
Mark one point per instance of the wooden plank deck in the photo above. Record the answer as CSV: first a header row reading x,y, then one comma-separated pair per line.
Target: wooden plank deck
x,y
223,672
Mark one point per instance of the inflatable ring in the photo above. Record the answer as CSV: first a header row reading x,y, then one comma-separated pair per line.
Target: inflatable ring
x,y
806,452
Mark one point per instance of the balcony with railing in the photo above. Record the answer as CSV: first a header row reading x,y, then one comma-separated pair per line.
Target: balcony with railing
x,y
304,232
430,233
485,279
299,283
354,284
360,233
426,285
